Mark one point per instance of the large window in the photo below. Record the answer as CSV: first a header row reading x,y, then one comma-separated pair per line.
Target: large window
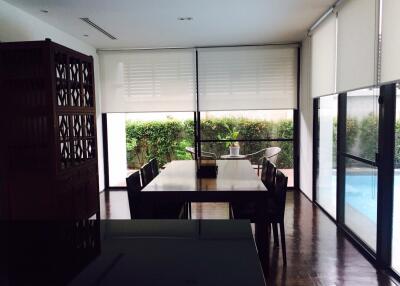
x,y
168,136
252,131
327,170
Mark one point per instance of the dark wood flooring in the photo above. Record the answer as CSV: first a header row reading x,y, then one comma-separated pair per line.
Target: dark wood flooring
x,y
317,253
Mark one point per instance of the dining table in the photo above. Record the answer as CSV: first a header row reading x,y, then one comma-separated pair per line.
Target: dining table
x,y
236,182
129,252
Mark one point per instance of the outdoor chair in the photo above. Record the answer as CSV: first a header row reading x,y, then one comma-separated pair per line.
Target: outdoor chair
x,y
204,155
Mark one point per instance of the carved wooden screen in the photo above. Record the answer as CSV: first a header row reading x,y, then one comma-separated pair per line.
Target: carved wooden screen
x,y
75,110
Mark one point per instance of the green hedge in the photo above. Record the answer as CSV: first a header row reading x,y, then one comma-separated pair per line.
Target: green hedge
x,y
168,139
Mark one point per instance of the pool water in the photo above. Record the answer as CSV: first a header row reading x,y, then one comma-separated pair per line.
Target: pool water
x,y
361,193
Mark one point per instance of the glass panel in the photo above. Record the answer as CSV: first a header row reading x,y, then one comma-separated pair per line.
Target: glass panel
x,y
362,123
116,149
283,161
396,189
135,138
361,200
249,124
326,179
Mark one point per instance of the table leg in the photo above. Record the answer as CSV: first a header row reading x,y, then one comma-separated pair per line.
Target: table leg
x,y
262,237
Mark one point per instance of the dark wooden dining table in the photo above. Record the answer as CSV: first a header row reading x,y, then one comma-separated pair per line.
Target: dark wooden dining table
x,y
236,182
128,252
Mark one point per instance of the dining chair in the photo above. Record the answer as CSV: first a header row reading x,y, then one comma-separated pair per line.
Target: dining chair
x,y
154,166
270,153
276,210
147,175
133,187
268,174
142,209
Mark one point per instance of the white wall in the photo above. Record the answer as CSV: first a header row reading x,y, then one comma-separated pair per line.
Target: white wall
x,y
306,120
17,25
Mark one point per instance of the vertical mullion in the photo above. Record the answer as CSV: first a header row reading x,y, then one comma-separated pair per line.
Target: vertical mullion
x,y
296,148
385,161
296,125
197,126
341,161
105,152
315,147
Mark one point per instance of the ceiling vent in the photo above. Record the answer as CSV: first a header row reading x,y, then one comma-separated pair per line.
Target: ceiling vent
x,y
101,30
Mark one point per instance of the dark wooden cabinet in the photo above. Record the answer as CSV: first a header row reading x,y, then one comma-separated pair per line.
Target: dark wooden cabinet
x,y
48,148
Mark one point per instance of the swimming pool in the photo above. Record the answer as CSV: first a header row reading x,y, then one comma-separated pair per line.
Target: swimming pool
x,y
361,193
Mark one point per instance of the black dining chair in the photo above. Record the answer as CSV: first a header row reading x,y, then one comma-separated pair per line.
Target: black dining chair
x,y
268,174
134,187
154,167
276,210
142,209
147,175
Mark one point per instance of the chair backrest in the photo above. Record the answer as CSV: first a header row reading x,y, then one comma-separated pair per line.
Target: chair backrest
x,y
191,151
154,166
146,173
280,193
134,187
204,155
271,153
268,174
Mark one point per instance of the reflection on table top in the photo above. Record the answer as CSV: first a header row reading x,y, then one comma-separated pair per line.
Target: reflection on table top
x,y
125,252
233,175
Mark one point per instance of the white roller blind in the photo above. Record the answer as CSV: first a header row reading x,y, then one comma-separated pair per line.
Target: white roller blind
x,y
357,45
240,78
148,80
323,67
390,60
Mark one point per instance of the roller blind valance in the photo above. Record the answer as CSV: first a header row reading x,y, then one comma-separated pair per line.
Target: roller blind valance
x,y
323,64
357,43
148,80
248,78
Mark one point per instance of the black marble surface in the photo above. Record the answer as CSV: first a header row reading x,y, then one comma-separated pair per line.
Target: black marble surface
x,y
125,252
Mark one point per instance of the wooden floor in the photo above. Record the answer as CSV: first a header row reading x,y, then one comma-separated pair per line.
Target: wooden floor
x,y
317,253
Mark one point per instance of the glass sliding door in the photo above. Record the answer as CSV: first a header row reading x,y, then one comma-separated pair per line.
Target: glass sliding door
x,y
396,190
327,146
360,194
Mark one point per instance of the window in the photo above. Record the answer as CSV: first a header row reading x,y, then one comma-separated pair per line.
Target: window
x,y
327,149
254,131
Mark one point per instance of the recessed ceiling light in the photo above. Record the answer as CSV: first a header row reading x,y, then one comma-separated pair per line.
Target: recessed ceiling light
x,y
44,11
185,18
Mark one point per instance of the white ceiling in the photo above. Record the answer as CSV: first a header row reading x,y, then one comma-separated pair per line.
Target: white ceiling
x,y
153,23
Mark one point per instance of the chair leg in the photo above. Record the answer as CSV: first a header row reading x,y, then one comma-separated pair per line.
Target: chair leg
x,y
275,231
283,241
